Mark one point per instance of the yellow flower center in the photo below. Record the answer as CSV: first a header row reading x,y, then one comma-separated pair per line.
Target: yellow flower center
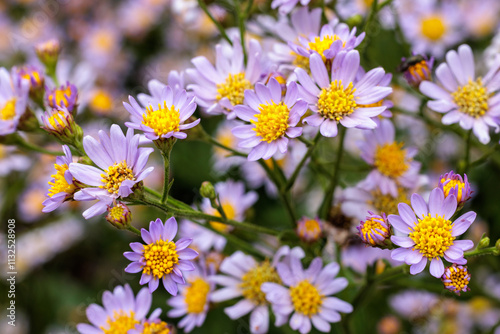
x,y
301,61
101,101
230,212
162,120
370,227
58,120
419,70
472,99
459,278
321,44
116,212
433,27
390,159
103,40
8,110
120,323
451,185
335,102
161,257
310,229
385,203
306,298
234,88
115,175
253,279
432,236
195,295
272,122
30,75
61,97
59,184
227,139
155,328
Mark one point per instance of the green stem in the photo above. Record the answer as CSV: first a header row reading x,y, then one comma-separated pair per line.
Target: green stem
x,y
32,147
485,156
367,27
467,152
133,230
483,251
214,142
306,156
166,180
327,201
219,26
241,17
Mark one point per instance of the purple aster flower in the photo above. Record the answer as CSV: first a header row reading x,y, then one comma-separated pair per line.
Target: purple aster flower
x,y
161,258
273,119
416,69
152,326
122,311
430,235
472,102
60,123
194,299
414,304
337,98
309,229
456,278
286,6
13,100
121,165
34,75
307,294
375,230
220,88
62,185
454,184
393,165
164,117
65,96
175,81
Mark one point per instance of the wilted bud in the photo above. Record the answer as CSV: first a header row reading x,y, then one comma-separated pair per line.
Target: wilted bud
x,y
65,96
48,52
207,190
416,69
456,278
119,216
309,230
61,124
375,230
453,184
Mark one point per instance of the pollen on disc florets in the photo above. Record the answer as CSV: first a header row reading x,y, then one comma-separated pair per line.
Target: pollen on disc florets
x,y
272,121
433,27
374,230
253,279
8,110
432,236
59,184
162,120
195,295
233,88
456,278
160,258
336,102
306,298
321,44
390,159
386,203
121,322
115,175
472,98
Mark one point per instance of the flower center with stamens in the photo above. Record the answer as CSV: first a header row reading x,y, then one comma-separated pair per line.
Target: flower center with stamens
x,y
230,212
371,226
116,212
420,70
120,323
115,175
301,61
253,279
162,120
234,88
433,27
310,229
336,102
101,101
432,236
8,110
60,97
160,258
195,295
390,159
155,328
272,122
59,184
456,278
472,98
385,203
306,298
58,120
451,184
321,44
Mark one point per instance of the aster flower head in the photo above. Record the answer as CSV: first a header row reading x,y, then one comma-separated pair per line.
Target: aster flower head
x,y
122,312
165,114
120,167
218,89
34,75
64,96
161,258
286,6
194,298
463,98
48,52
456,278
119,216
393,165
63,185
337,97
309,230
14,92
416,69
375,230
60,123
273,119
429,233
152,326
307,294
454,184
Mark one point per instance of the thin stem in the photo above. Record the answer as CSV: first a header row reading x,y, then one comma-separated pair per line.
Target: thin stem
x,y
467,152
483,251
216,143
367,27
485,156
133,230
166,180
32,147
240,17
327,201
219,26
306,156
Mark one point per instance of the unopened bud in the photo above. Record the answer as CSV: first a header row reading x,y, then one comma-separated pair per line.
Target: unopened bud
x,y
375,230
61,124
119,216
48,52
354,20
207,190
309,230
497,246
483,243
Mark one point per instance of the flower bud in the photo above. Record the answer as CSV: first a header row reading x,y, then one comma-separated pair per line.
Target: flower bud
x,y
375,230
65,96
35,78
416,69
48,52
61,124
119,216
207,190
483,243
453,184
309,230
497,246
